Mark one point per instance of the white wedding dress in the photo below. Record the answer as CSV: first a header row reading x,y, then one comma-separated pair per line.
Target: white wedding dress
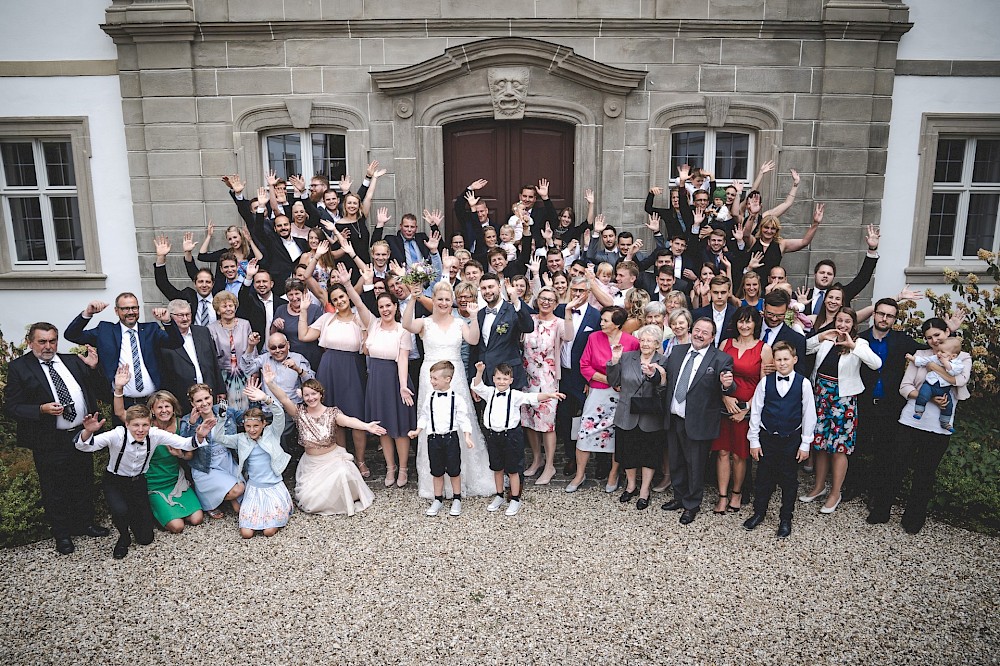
x,y
477,478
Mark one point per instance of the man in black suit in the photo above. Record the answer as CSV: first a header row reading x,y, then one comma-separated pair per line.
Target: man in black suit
x,y
697,376
880,403
586,320
475,218
257,302
676,256
540,212
199,297
281,251
48,395
825,274
408,246
774,330
501,325
195,362
720,310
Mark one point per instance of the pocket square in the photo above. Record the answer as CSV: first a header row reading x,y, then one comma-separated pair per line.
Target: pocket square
x,y
709,370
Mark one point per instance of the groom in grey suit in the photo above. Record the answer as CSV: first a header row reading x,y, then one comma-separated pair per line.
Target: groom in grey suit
x,y
501,325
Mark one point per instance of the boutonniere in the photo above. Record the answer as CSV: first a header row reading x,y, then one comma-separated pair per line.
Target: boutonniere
x,y
502,328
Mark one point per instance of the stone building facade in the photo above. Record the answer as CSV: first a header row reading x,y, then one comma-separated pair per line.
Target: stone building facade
x,y
209,87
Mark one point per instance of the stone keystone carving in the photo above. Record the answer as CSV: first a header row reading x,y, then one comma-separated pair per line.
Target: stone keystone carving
x,y
509,90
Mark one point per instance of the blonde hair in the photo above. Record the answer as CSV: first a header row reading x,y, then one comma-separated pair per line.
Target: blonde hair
x,y
772,220
221,298
604,268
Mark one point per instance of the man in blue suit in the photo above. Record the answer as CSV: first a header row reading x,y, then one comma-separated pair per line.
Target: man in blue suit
x,y
586,320
502,325
128,341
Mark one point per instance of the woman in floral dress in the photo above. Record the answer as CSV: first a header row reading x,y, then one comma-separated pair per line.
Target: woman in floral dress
x,y
541,364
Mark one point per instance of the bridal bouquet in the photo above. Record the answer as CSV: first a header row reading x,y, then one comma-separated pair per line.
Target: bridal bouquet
x,y
420,273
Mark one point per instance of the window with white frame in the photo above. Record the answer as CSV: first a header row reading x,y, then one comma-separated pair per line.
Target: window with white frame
x,y
726,153
965,197
306,153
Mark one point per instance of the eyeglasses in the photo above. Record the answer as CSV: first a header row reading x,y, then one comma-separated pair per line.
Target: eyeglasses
x,y
130,308
546,300
887,315
277,347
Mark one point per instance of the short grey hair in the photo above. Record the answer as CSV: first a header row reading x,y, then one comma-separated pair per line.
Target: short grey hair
x,y
579,280
652,331
178,305
655,308
678,314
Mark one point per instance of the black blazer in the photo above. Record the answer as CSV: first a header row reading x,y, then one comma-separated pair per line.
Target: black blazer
x,y
28,389
505,347
251,308
187,293
572,381
398,253
703,410
798,341
726,321
892,370
858,284
178,371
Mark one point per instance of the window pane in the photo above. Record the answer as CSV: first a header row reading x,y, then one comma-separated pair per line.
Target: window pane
x,y
284,154
981,223
29,237
59,163
329,153
19,164
941,228
687,148
950,154
66,220
986,168
732,151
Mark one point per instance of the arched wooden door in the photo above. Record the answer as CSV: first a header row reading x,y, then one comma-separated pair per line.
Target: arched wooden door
x,y
508,154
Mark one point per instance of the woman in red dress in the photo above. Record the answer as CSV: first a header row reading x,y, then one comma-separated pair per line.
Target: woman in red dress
x,y
750,357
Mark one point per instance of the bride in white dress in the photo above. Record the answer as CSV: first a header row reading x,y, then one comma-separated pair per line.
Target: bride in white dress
x,y
442,335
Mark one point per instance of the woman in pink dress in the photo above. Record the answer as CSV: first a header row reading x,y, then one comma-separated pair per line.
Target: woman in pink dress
x,y
541,364
750,356
597,423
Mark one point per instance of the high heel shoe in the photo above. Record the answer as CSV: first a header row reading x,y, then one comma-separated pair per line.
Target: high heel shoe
x,y
390,476
573,487
831,509
403,479
363,468
725,508
545,478
806,499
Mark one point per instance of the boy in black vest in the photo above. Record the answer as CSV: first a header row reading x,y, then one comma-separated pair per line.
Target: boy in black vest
x,y
782,421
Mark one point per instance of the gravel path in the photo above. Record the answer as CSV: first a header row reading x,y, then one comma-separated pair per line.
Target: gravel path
x,y
574,578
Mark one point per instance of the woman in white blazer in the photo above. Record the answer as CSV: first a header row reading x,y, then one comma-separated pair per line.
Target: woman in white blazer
x,y
836,381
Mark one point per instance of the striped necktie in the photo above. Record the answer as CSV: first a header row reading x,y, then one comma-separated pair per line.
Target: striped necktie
x,y
136,362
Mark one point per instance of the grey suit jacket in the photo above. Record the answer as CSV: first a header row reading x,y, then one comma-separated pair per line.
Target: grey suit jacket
x,y
627,374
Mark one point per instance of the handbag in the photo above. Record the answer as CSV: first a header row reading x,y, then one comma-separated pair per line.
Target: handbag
x,y
640,404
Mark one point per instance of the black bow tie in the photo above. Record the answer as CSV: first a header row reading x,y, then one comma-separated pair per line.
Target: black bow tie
x,y
574,311
442,394
501,394
139,442
492,311
784,379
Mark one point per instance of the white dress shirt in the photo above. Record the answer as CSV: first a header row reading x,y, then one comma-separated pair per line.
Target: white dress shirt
x,y
268,313
808,410
293,249
566,353
75,392
678,408
125,356
720,319
488,321
503,410
193,355
437,417
771,333
210,310
128,457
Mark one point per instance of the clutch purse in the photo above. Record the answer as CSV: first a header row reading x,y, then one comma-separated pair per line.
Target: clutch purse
x,y
646,404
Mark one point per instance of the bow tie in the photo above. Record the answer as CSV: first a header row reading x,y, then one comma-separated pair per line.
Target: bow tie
x,y
139,442
442,394
501,394
575,311
492,311
784,379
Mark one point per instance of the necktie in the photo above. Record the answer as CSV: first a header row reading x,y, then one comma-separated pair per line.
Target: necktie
x,y
136,362
492,311
203,312
412,253
820,295
767,334
681,393
62,392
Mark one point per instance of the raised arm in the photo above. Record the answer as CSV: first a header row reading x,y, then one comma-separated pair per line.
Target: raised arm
x,y
796,244
367,316
779,210
306,333
370,194
279,394
415,326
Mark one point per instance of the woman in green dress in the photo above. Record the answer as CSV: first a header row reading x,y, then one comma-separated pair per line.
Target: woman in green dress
x,y
171,496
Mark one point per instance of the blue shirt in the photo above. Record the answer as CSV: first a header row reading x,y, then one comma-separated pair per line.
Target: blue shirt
x,y
880,347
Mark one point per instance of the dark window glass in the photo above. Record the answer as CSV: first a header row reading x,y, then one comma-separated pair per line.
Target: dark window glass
x,y
29,236
18,164
981,223
941,228
948,166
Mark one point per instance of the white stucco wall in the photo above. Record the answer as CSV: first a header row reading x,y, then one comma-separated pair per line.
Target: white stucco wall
x,y
951,30
70,30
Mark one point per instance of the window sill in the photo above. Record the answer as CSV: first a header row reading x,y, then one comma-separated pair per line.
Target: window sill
x,y
51,280
934,274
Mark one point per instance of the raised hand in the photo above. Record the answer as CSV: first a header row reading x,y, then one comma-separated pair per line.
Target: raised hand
x,y
205,429
599,223
542,188
535,265
872,237
683,172
253,339
90,359
298,182
371,168
261,196
235,183
322,248
795,177
343,274
766,167
699,216
345,184
378,173
188,245
368,274
433,218
547,233
478,184
91,423
656,191
122,376
739,229
396,269
94,307
433,241
471,199
271,177
210,229
802,295
252,268
161,315
382,217
753,205
818,214
653,223
756,261
268,373
588,196
907,294
162,244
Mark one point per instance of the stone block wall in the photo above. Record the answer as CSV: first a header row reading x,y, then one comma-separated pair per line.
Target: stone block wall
x,y
812,78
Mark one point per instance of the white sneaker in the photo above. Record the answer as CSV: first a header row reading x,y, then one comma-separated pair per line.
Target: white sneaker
x,y
435,508
456,508
513,508
498,501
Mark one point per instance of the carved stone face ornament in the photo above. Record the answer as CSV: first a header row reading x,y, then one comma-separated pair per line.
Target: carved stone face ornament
x,y
509,90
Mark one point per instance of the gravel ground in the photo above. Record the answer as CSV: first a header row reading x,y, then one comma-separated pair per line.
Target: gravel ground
x,y
573,578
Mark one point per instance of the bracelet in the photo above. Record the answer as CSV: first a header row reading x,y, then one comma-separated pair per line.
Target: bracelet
x,y
118,395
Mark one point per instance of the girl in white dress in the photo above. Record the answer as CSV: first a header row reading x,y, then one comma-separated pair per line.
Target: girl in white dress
x,y
443,334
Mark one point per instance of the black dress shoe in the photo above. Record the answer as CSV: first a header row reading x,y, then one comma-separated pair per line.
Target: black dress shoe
x,y
673,505
784,529
65,545
688,516
876,519
627,496
753,521
121,549
642,503
93,531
